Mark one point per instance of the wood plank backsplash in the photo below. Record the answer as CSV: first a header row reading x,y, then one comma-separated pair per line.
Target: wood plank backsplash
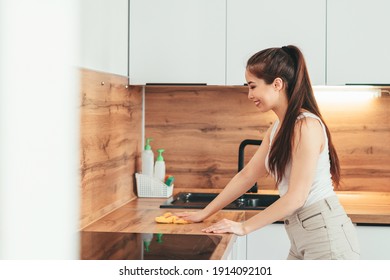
x,y
110,131
201,129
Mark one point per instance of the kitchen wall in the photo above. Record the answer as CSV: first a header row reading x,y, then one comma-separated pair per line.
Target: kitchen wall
x,y
39,132
201,129
111,129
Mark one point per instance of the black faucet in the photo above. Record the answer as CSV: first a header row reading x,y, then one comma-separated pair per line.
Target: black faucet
x,y
241,158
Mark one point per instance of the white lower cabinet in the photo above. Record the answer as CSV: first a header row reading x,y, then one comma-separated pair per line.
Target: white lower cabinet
x,y
374,242
268,243
272,243
238,250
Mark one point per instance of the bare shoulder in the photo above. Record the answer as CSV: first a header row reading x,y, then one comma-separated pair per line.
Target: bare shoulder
x,y
308,123
309,130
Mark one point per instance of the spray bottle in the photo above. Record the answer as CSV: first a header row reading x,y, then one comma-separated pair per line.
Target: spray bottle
x,y
147,239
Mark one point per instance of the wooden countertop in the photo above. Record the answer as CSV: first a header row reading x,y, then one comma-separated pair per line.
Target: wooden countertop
x,y
137,216
367,207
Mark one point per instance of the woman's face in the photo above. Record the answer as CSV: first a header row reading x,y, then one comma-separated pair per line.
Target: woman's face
x,y
264,96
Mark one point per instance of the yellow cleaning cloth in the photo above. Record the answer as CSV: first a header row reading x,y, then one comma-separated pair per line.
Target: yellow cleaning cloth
x,y
168,218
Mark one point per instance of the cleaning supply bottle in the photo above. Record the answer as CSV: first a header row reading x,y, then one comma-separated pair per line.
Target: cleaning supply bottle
x,y
159,166
159,237
169,180
147,159
147,239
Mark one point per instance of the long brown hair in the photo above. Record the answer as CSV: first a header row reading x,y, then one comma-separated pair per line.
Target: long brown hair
x,y
289,64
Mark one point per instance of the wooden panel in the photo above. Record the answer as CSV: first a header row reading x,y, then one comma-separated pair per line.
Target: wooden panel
x,y
361,133
201,129
111,123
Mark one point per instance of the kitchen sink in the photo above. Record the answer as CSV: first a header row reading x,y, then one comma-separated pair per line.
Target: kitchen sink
x,y
248,201
200,200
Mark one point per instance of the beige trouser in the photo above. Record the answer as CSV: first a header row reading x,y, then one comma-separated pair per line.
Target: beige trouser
x,y
322,231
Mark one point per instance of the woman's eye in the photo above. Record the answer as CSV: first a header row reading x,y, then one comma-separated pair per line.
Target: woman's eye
x,y
252,87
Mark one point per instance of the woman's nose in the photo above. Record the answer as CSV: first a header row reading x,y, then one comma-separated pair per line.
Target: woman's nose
x,y
250,95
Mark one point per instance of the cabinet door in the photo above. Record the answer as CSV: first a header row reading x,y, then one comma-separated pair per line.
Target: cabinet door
x,y
104,36
268,243
358,42
271,242
238,250
253,25
177,41
374,242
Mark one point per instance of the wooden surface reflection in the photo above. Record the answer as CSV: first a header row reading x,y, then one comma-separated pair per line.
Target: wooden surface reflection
x,y
130,246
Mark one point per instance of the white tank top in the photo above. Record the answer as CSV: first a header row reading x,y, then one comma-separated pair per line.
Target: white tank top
x,y
322,186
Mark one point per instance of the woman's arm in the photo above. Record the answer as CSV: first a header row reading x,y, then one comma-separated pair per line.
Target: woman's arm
x,y
237,186
307,145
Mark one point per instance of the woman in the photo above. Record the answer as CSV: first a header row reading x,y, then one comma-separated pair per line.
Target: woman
x,y
298,152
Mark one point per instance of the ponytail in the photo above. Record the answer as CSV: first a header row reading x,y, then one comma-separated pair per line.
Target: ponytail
x,y
289,64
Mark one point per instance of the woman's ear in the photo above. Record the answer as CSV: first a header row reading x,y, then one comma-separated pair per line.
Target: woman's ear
x,y
278,84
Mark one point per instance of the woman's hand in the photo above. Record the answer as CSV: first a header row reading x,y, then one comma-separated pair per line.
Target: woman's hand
x,y
223,226
195,217
226,226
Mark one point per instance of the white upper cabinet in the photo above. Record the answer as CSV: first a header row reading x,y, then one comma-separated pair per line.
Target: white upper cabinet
x,y
253,25
200,41
177,41
104,36
358,42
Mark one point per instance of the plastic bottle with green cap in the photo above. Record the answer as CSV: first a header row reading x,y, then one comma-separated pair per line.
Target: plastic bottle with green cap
x,y
147,239
147,159
159,166
159,238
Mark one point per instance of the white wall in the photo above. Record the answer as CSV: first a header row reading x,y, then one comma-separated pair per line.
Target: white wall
x,y
39,126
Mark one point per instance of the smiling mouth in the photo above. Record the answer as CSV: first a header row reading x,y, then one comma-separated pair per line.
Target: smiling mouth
x,y
257,103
